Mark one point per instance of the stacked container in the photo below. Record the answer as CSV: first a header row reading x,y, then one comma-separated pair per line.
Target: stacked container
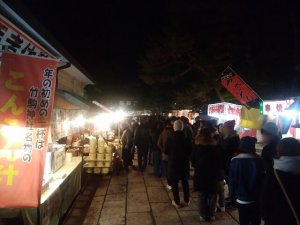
x,y
100,156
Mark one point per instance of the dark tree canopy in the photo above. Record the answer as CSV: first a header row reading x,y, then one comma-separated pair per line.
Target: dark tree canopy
x,y
203,37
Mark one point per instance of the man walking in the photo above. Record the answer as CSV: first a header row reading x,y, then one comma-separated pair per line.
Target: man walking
x,y
142,141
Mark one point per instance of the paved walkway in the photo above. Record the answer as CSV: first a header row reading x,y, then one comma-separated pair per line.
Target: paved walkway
x,y
136,199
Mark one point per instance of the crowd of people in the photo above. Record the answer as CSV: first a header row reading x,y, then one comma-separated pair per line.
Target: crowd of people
x,y
262,186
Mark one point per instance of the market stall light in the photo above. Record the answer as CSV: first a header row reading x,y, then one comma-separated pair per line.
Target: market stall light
x,y
13,133
294,109
66,126
291,114
118,116
102,122
79,121
295,106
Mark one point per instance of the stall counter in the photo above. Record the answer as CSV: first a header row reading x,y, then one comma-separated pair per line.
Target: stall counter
x,y
55,202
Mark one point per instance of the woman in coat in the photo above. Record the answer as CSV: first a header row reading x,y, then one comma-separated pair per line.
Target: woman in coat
x,y
206,160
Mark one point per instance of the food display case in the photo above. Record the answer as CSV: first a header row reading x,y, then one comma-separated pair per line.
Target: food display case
x,y
57,156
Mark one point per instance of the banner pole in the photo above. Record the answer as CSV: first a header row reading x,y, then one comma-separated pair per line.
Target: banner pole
x,y
219,77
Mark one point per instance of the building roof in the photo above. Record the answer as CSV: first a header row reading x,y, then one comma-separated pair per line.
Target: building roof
x,y
17,13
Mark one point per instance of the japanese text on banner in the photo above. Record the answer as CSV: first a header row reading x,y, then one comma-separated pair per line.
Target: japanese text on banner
x,y
27,86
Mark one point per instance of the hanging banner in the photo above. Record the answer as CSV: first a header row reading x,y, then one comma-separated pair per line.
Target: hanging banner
x,y
237,87
27,86
14,40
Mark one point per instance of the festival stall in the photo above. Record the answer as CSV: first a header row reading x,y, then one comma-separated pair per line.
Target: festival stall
x,y
185,112
96,139
225,111
26,106
280,112
248,121
38,180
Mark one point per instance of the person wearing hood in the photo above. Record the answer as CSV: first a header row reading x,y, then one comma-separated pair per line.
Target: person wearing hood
x,y
177,150
270,138
280,195
245,181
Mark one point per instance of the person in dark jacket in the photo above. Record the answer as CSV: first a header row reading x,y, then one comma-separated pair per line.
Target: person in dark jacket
x,y
245,181
142,141
206,159
127,145
270,138
275,207
178,163
221,177
229,144
157,154
187,129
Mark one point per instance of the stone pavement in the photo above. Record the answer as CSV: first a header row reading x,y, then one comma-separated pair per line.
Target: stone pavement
x,y
136,198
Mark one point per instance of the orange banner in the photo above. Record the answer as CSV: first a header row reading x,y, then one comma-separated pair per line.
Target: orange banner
x,y
27,86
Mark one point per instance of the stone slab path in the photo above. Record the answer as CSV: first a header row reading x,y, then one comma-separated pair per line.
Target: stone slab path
x,y
136,198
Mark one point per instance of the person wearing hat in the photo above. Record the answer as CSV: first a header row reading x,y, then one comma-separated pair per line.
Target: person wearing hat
x,y
280,195
178,153
245,181
270,138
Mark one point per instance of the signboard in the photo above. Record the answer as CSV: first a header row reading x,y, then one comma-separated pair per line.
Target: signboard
x,y
275,108
27,86
14,40
225,111
237,87
224,108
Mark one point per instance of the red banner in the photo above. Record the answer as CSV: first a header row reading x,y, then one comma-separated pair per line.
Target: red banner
x,y
238,88
27,86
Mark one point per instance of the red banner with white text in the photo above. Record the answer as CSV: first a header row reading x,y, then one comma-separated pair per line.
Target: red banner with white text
x,y
27,86
237,87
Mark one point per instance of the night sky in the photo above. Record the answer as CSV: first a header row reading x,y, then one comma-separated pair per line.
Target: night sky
x,y
108,37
